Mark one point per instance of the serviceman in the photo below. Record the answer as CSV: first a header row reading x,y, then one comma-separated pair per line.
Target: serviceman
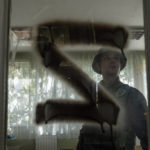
x,y
132,118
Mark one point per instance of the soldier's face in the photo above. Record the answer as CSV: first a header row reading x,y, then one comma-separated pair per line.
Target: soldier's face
x,y
110,64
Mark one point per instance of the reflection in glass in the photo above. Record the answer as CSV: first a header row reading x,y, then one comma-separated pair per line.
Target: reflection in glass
x,y
30,83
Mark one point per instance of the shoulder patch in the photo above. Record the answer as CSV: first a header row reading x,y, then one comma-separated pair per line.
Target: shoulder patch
x,y
123,90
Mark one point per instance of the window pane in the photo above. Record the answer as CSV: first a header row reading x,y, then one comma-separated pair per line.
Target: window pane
x,y
79,29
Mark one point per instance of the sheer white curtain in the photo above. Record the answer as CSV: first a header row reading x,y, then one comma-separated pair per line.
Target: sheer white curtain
x,y
30,83
135,72
137,59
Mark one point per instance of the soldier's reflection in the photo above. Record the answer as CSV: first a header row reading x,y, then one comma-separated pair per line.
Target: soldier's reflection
x,y
132,120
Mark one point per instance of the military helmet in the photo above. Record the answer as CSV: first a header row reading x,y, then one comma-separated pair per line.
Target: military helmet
x,y
101,52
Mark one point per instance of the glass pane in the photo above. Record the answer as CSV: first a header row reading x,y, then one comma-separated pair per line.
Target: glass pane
x,y
64,71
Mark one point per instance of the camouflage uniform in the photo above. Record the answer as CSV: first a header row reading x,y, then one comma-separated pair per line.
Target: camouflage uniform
x,y
131,122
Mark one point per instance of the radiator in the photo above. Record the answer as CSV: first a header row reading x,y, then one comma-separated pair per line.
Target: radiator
x,y
46,142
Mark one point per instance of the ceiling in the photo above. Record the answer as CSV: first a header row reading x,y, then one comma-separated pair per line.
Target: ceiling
x,y
29,13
